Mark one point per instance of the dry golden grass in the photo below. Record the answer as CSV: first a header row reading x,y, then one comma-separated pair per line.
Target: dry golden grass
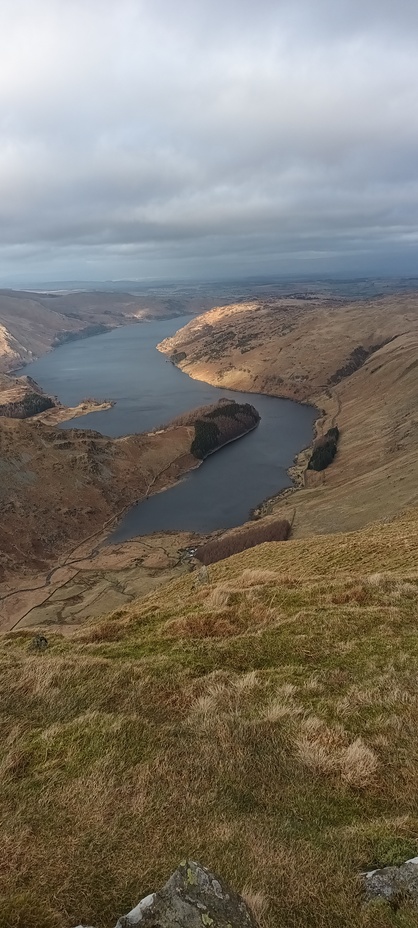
x,y
256,901
254,576
218,598
325,750
103,631
283,705
273,736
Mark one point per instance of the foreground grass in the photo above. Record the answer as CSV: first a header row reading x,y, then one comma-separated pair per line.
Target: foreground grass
x,y
265,723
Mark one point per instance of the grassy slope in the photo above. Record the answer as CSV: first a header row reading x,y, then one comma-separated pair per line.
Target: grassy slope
x,y
266,724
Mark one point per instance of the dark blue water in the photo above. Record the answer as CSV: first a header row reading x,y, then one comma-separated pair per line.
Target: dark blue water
x,y
123,365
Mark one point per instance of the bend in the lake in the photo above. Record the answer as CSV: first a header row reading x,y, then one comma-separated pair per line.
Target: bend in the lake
x,y
149,391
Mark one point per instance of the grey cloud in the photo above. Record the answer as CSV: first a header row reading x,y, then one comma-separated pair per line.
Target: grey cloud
x,y
137,138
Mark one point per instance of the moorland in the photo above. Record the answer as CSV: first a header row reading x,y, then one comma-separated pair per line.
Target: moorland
x,y
262,716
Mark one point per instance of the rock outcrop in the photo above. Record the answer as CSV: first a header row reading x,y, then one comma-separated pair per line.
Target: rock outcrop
x,y
393,883
193,897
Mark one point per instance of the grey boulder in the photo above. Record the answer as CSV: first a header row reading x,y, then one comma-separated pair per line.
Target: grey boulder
x,y
193,897
393,883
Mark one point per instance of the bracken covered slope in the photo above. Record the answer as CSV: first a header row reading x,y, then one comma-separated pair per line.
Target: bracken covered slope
x,y
264,722
58,487
357,362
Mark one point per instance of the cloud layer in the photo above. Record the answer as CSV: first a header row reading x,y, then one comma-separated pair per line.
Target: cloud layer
x,y
145,138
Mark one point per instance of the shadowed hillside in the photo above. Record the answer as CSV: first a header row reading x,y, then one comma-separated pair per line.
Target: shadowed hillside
x,y
59,487
32,323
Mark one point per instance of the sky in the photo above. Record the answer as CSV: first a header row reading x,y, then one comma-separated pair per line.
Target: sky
x,y
206,139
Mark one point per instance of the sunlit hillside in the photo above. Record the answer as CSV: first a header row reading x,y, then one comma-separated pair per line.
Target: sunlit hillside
x,y
356,362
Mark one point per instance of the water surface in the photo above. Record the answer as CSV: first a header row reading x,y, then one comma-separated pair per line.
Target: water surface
x,y
123,365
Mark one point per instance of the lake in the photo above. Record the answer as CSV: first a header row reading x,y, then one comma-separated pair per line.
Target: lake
x,y
123,365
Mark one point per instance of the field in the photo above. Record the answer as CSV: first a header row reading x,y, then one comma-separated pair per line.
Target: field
x,y
263,722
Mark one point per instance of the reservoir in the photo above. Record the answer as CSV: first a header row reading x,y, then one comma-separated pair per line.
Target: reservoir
x,y
123,365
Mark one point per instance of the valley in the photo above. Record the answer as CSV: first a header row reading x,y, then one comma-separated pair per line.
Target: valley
x,y
268,698
266,346
273,707
42,469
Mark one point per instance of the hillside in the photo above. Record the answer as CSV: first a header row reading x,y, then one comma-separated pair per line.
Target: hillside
x,y
259,715
33,323
15,394
263,722
60,487
356,361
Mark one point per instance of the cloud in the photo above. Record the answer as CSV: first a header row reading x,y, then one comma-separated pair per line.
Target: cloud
x,y
144,138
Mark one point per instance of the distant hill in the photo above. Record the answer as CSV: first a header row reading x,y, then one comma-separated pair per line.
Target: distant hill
x,y
32,323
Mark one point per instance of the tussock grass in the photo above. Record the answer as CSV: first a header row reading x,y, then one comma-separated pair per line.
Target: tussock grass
x,y
257,903
253,576
265,723
324,750
219,597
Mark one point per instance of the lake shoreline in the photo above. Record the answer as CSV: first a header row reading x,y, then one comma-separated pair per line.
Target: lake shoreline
x,y
102,538
296,470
